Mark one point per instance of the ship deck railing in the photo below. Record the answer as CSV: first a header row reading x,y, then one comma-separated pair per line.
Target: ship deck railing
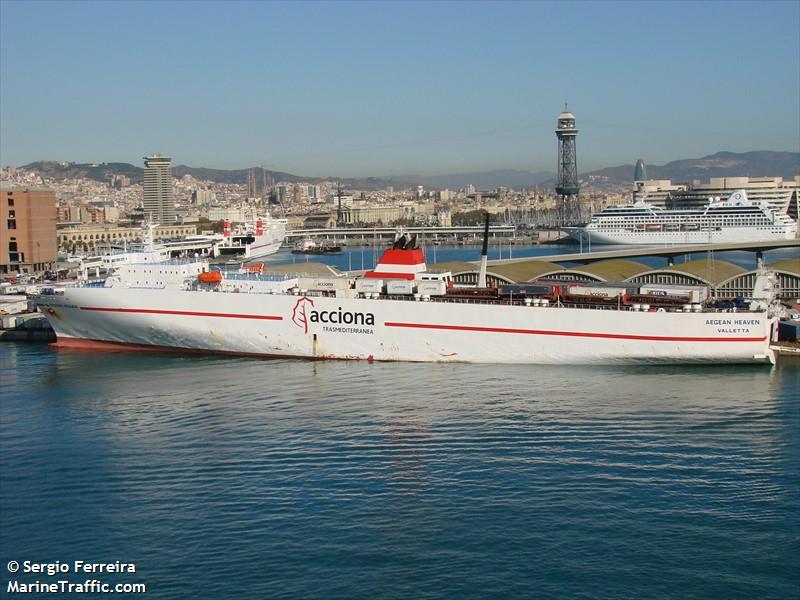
x,y
187,260
235,276
487,301
559,304
504,302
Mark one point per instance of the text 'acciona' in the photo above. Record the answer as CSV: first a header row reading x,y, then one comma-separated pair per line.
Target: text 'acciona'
x,y
340,316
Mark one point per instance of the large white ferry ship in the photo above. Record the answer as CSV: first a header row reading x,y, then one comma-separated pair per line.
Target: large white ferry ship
x,y
403,311
254,239
733,220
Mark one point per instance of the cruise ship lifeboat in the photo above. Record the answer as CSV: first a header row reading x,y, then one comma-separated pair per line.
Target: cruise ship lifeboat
x,y
210,277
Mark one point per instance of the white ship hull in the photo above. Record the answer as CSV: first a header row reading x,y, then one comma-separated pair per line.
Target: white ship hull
x,y
394,330
668,238
267,247
263,246
252,240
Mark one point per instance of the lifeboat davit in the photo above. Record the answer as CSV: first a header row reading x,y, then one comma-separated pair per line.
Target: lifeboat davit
x,y
210,277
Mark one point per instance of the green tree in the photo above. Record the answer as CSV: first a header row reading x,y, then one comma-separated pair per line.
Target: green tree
x,y
472,217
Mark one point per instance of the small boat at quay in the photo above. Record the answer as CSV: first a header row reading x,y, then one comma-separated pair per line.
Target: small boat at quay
x,y
310,246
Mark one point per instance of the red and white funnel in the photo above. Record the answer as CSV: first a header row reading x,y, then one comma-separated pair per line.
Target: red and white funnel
x,y
403,261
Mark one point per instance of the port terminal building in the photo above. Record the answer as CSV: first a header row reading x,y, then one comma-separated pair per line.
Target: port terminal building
x,y
724,279
92,238
781,194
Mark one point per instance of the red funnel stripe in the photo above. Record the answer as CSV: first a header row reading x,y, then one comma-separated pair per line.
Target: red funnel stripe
x,y
402,257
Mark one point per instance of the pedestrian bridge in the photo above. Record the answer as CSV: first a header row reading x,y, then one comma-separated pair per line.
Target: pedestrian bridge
x,y
668,252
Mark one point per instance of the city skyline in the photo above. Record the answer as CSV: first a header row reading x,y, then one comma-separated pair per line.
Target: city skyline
x,y
384,89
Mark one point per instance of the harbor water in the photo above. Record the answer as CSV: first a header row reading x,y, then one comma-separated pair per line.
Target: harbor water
x,y
366,257
244,478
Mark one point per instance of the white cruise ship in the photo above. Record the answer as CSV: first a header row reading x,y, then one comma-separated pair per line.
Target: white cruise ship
x,y
736,219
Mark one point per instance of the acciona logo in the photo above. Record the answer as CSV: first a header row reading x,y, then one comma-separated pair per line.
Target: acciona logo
x,y
300,312
304,313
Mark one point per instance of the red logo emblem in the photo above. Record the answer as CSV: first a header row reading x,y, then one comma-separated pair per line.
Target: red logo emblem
x,y
299,315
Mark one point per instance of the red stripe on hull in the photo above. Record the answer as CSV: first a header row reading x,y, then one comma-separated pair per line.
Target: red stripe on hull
x,y
613,336
67,343
185,313
84,345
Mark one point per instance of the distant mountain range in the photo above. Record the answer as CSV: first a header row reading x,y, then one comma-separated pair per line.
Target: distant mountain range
x,y
762,163
60,170
483,180
103,171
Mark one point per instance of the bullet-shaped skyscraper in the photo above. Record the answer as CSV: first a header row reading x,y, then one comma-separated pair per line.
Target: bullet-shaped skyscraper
x,y
639,172
158,205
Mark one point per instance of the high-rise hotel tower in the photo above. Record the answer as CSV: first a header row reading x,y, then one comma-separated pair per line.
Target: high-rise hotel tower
x,y
158,204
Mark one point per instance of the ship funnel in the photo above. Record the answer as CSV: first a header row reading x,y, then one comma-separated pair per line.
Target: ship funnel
x,y
766,286
484,254
404,260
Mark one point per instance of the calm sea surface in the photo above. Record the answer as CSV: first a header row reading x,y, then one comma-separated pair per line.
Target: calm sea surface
x,y
242,478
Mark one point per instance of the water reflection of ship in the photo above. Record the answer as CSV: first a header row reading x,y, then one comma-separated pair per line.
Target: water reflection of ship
x,y
309,246
408,439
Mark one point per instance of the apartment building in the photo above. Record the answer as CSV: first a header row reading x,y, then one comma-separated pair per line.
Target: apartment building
x,y
27,230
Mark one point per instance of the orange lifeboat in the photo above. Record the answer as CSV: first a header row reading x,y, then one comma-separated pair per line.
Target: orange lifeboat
x,y
254,268
210,277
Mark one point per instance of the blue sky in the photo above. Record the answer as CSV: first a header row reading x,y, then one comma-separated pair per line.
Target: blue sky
x,y
358,89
